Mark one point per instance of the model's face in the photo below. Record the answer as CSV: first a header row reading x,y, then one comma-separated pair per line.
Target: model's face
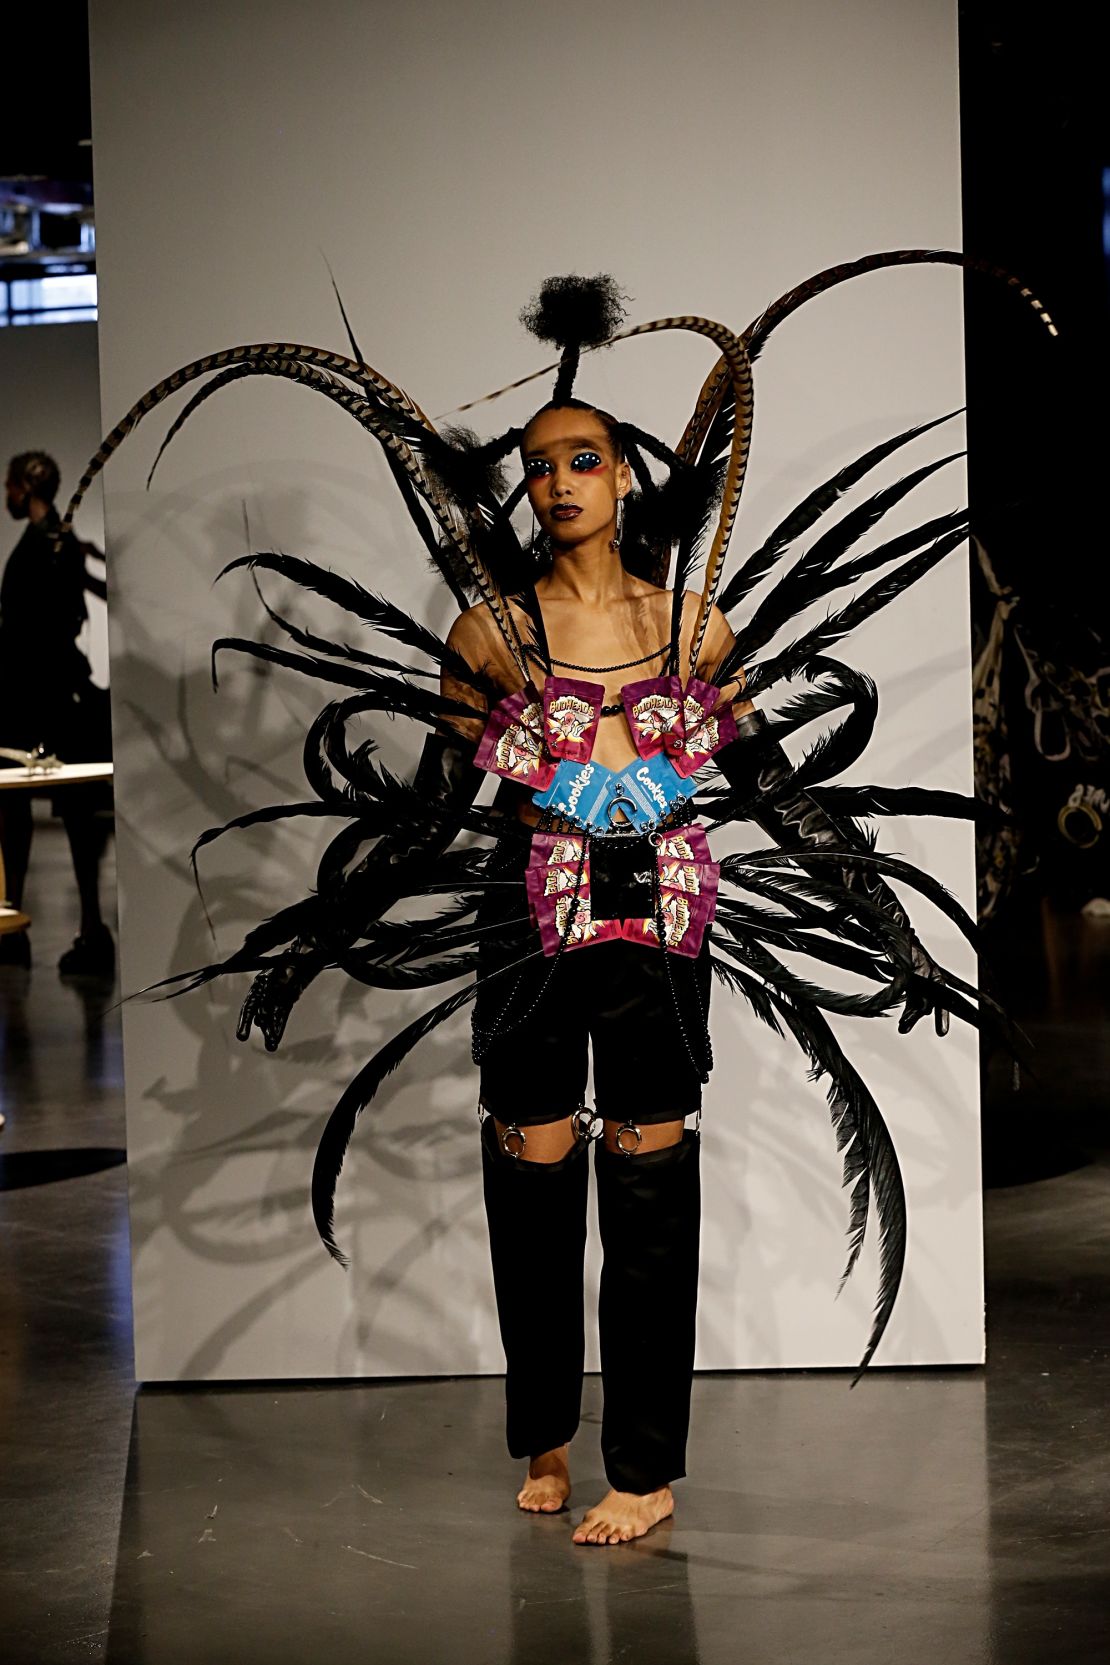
x,y
573,474
17,498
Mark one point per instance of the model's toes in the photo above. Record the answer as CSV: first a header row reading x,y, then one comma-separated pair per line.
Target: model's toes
x,y
544,1496
547,1484
594,1529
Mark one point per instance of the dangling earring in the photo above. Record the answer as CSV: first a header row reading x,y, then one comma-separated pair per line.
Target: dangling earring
x,y
615,543
540,547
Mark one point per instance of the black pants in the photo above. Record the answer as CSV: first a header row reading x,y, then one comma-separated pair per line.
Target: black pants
x,y
646,1022
649,1212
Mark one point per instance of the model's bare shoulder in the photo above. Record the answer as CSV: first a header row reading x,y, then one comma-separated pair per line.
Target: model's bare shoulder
x,y
719,636
469,630
477,639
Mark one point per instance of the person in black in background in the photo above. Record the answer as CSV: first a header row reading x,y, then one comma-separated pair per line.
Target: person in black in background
x,y
48,699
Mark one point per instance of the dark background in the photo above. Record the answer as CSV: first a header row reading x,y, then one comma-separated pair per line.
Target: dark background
x,y
1033,96
44,113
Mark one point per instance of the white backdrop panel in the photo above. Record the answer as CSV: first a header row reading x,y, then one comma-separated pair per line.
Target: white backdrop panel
x,y
445,159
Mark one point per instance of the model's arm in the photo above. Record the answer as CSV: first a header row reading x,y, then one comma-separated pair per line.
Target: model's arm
x,y
446,782
717,643
757,765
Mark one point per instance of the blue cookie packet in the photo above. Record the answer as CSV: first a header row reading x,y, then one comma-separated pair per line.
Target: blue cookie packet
x,y
637,796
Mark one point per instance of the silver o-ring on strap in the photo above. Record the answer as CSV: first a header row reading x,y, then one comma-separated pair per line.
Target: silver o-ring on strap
x,y
514,1132
628,1150
618,805
583,1123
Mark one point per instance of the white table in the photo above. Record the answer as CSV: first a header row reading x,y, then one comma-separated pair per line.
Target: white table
x,y
46,780
42,780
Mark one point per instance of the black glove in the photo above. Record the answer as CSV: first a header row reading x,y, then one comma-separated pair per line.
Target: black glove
x,y
275,991
757,764
447,781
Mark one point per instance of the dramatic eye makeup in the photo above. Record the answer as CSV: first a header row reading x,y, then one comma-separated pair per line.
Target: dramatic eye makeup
x,y
583,462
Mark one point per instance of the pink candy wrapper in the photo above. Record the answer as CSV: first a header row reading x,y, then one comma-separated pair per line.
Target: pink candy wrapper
x,y
528,734
513,742
555,886
570,717
705,729
683,723
654,711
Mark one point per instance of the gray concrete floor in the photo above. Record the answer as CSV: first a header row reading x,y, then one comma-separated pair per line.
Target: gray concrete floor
x,y
929,1515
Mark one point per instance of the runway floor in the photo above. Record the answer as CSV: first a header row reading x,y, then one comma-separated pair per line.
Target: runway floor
x,y
930,1515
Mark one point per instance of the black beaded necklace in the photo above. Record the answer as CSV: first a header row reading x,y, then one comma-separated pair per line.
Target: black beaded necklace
x,y
600,670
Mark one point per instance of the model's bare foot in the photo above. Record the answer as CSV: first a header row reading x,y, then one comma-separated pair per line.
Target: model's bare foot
x,y
622,1516
548,1484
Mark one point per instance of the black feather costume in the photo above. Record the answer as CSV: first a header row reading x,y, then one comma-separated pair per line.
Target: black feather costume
x,y
453,489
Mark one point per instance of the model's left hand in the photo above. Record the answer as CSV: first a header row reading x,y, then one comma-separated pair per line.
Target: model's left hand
x,y
926,992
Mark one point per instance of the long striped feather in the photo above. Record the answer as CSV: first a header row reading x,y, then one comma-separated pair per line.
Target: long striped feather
x,y
740,382
760,329
323,359
397,428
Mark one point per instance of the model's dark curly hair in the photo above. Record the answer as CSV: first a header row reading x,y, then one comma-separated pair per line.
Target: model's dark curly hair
x,y
575,312
462,463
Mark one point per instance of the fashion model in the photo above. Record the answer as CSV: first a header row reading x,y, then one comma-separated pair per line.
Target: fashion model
x,y
593,670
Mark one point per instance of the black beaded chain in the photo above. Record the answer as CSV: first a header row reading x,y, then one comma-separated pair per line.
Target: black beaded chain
x,y
701,1070
599,670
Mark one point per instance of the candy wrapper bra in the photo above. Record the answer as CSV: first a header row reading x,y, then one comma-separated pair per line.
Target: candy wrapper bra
x,y
526,736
